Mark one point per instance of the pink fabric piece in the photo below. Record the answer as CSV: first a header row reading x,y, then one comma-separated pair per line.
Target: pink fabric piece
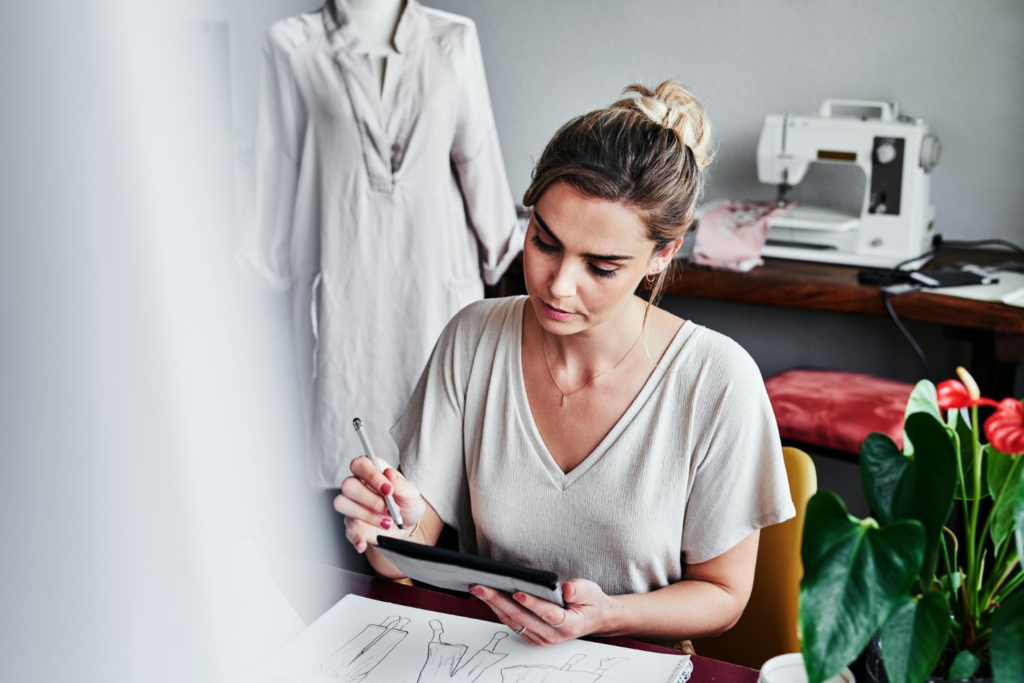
x,y
837,410
731,235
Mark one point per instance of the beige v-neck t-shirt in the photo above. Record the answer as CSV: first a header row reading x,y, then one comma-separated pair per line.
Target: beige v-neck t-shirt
x,y
692,467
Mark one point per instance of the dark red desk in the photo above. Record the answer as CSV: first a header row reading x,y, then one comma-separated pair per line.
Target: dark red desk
x,y
313,588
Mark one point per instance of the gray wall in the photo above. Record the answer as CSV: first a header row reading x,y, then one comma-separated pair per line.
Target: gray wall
x,y
954,63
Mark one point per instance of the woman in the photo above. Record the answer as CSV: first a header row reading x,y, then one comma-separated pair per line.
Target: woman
x,y
581,430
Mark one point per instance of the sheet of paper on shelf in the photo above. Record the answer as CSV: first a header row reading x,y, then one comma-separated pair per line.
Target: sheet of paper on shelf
x,y
1009,290
367,640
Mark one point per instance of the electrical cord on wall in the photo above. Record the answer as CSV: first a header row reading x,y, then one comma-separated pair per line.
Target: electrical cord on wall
x,y
906,333
938,243
889,290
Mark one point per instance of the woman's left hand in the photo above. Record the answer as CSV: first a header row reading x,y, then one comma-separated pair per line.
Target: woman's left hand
x,y
587,610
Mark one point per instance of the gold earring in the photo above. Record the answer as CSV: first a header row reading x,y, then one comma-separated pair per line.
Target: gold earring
x,y
650,278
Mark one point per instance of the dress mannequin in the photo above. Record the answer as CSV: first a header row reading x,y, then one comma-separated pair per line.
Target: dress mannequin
x,y
377,21
368,197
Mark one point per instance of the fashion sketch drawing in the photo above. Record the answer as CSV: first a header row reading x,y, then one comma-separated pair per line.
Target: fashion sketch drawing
x,y
357,658
568,673
444,660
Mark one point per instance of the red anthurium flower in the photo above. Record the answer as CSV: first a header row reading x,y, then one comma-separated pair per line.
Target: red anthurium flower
x,y
1005,428
954,395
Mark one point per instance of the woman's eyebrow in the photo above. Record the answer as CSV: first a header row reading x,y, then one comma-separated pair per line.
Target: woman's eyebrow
x,y
595,257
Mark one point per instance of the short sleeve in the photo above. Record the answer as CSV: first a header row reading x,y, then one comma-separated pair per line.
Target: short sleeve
x,y
476,154
429,434
739,484
266,242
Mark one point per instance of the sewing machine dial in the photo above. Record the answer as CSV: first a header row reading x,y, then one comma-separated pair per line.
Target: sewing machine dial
x,y
885,153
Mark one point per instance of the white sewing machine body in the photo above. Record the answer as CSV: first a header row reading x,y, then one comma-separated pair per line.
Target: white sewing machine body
x,y
896,155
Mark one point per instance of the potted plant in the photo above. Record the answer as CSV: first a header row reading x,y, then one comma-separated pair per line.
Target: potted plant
x,y
944,604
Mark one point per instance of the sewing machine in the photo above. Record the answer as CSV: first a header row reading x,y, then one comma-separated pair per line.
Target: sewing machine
x,y
896,154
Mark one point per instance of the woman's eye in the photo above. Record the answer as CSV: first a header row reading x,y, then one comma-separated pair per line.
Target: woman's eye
x,y
544,246
602,272
551,249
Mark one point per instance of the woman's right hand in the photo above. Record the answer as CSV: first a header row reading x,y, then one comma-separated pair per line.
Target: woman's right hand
x,y
362,503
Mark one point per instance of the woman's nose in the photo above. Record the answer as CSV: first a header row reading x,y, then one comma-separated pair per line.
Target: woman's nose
x,y
563,284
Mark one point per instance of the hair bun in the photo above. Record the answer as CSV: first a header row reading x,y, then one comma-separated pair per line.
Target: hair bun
x,y
673,106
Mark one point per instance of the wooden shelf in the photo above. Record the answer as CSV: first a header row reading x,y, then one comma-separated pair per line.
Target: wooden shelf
x,y
826,287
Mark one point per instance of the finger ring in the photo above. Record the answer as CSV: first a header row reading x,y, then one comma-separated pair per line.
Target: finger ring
x,y
564,615
520,631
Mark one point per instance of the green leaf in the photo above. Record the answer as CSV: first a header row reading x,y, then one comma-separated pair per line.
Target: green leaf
x,y
854,575
963,666
914,637
960,422
919,486
923,399
1003,470
1008,641
998,469
881,466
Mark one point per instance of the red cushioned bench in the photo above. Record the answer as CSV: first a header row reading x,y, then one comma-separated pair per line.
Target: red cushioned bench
x,y
831,413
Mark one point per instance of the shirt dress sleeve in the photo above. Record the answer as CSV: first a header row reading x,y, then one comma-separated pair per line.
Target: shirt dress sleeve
x,y
429,434
476,154
280,125
740,483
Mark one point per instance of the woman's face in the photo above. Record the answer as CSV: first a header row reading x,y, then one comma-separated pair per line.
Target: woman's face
x,y
584,258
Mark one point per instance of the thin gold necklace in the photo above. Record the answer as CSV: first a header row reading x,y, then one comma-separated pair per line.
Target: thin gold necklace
x,y
544,346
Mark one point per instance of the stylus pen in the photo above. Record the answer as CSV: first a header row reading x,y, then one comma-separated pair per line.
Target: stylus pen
x,y
389,499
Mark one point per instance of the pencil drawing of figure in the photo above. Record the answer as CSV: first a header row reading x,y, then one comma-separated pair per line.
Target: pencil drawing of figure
x,y
357,658
565,674
443,659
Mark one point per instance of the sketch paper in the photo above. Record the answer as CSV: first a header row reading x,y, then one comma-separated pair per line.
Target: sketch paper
x,y
361,640
1009,290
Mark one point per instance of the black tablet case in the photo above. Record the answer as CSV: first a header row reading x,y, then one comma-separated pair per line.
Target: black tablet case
x,y
458,571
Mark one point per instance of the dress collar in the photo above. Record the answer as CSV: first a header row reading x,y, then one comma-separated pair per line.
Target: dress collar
x,y
343,33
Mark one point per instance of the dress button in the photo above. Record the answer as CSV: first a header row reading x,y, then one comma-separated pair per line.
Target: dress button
x,y
395,147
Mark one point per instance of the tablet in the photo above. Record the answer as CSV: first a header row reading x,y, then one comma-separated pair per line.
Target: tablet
x,y
458,571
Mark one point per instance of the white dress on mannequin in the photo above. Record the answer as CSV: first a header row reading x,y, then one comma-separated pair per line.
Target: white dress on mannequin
x,y
383,210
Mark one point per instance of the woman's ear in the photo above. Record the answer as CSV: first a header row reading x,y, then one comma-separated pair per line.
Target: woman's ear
x,y
661,260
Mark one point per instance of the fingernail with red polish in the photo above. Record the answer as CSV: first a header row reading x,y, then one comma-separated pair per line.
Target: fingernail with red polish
x,y
385,523
385,489
474,590
519,596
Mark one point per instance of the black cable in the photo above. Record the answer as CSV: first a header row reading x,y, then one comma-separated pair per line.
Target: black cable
x,y
937,244
909,337
930,252
896,273
892,275
978,243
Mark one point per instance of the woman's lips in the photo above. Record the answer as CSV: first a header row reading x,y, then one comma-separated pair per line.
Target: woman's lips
x,y
555,313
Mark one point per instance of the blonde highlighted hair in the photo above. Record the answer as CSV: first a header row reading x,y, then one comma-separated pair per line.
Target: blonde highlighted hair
x,y
648,151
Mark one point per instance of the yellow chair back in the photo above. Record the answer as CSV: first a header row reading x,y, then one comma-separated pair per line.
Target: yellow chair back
x,y
768,626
